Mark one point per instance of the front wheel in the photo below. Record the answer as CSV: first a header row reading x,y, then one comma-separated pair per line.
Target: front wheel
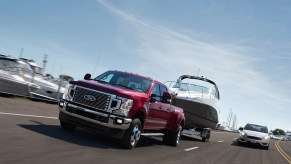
x,y
132,134
173,138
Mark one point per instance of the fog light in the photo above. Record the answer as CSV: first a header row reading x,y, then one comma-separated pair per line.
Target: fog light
x,y
61,104
120,121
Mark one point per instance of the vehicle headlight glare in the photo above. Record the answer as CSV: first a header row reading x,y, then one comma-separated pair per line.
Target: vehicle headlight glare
x,y
266,137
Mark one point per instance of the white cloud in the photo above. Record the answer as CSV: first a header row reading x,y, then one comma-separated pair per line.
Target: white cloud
x,y
171,51
166,54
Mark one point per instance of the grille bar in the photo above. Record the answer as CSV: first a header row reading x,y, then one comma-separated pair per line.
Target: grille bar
x,y
255,138
101,101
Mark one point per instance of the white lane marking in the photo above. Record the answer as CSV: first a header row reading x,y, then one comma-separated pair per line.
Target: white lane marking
x,y
221,141
27,115
192,148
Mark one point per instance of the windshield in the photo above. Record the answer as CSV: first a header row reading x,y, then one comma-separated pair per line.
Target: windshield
x,y
125,80
190,87
8,65
15,67
257,128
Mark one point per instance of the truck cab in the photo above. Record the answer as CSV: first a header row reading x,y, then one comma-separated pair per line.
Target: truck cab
x,y
121,105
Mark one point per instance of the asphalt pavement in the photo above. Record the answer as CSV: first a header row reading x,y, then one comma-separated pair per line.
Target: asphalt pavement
x,y
30,133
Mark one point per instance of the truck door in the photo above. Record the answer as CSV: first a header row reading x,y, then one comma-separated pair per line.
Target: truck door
x,y
158,111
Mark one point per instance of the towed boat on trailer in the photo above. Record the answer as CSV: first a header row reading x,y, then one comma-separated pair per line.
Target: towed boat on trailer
x,y
198,96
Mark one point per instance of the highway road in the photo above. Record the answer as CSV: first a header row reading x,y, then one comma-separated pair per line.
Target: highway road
x,y
30,133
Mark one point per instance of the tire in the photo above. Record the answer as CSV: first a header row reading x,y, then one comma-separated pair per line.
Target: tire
x,y
238,142
172,138
132,135
266,147
206,139
67,126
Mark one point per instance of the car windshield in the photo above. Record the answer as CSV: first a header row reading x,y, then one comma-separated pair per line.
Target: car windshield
x,y
257,128
128,81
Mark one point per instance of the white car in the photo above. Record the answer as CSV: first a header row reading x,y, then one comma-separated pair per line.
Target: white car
x,y
254,134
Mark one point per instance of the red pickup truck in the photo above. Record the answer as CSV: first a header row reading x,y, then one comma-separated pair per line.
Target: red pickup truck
x,y
122,105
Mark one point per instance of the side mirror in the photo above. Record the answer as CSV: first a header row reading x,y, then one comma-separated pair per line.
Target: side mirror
x,y
241,129
87,76
167,97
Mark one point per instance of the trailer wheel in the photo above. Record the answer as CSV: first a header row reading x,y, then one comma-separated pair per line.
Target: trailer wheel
x,y
206,138
132,134
67,126
172,138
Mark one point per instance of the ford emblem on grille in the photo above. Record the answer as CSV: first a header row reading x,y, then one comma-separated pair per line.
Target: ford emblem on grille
x,y
89,98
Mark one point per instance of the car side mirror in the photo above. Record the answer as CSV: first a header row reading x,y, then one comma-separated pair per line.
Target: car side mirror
x,y
167,97
87,76
241,129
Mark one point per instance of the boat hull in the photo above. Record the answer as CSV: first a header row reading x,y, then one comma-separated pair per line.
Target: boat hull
x,y
199,113
15,87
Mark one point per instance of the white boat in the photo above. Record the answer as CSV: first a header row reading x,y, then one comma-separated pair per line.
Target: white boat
x,y
198,96
11,78
49,89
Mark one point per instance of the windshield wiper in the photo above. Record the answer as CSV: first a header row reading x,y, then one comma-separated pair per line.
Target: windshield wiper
x,y
124,86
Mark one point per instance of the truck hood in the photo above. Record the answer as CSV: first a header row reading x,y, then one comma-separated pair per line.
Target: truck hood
x,y
107,88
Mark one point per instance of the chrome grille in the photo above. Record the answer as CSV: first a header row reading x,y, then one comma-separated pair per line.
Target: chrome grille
x,y
254,138
101,100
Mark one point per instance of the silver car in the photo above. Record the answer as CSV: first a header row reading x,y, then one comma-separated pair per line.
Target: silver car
x,y
254,134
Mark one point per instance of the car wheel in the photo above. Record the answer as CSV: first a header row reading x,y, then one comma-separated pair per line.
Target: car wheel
x,y
266,147
67,126
132,134
173,138
238,142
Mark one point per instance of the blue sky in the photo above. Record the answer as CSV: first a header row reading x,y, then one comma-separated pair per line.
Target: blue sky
x,y
244,46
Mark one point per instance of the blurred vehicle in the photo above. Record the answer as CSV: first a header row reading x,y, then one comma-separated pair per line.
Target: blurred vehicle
x,y
25,78
51,89
254,134
235,131
12,80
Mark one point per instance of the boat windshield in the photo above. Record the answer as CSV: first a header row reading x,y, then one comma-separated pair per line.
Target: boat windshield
x,y
125,80
191,88
8,65
25,68
14,67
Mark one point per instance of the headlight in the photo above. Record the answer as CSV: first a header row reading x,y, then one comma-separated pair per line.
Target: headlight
x,y
126,105
69,92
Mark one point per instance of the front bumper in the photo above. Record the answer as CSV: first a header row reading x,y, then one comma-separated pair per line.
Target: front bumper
x,y
103,122
263,142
